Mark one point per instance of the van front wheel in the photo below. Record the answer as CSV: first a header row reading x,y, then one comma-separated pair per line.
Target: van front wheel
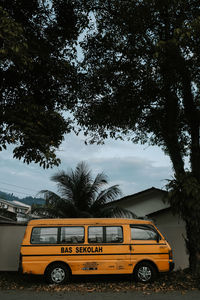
x,y
57,274
145,272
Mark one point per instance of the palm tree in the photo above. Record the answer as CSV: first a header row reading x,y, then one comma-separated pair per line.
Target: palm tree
x,y
81,196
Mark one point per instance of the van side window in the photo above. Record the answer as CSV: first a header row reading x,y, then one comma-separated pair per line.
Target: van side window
x,y
72,235
95,234
143,233
105,234
44,235
114,234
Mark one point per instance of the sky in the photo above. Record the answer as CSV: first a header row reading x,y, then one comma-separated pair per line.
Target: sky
x,y
133,167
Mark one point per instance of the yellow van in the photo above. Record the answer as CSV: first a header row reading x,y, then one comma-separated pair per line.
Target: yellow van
x,y
58,248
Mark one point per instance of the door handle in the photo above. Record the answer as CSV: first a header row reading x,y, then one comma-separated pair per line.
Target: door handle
x,y
130,247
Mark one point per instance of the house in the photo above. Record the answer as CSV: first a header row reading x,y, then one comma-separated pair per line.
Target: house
x,y
15,210
149,203
4,219
152,204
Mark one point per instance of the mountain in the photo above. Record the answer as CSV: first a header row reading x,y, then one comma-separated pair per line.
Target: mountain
x,y
27,200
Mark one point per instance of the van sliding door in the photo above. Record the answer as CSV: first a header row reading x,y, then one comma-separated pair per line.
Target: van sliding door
x,y
110,254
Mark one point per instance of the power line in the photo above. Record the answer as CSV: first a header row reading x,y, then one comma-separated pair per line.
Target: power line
x,y
18,186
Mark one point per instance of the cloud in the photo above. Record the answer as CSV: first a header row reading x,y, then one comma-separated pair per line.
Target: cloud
x,y
133,167
133,174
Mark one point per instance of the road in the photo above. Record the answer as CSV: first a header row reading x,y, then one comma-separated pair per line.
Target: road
x,y
31,295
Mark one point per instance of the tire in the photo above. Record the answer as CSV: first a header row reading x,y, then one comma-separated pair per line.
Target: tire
x,y
57,274
145,272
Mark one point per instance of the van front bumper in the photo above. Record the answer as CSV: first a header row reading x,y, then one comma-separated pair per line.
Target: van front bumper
x,y
171,266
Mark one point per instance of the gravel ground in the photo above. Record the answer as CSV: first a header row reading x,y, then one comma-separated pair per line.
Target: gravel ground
x,y
175,281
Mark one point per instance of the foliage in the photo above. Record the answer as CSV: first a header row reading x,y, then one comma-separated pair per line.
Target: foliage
x,y
38,76
140,79
184,197
79,195
27,200
140,75
9,197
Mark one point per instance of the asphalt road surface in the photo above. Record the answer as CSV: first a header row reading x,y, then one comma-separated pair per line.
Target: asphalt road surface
x,y
31,295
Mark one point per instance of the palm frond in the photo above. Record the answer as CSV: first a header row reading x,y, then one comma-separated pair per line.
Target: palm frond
x,y
99,181
78,194
115,212
49,196
107,195
65,184
59,209
45,212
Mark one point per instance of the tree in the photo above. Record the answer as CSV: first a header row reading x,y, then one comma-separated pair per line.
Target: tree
x,y
140,79
38,76
79,195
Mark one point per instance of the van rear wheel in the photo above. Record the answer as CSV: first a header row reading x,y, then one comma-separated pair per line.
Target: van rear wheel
x,y
57,274
145,272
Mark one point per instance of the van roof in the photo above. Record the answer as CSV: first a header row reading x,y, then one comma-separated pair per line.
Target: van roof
x,y
85,221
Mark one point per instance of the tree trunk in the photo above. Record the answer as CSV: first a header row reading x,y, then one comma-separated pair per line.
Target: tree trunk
x,y
192,218
193,119
193,246
190,209
170,131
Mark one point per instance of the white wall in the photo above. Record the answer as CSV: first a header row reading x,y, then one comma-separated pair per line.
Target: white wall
x,y
10,241
144,204
173,229
170,226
